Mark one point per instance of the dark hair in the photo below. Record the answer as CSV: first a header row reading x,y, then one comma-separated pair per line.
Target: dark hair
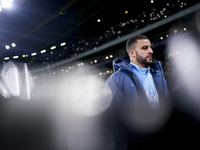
x,y
130,44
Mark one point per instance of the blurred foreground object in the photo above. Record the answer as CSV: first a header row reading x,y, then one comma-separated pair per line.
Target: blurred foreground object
x,y
184,55
16,81
87,96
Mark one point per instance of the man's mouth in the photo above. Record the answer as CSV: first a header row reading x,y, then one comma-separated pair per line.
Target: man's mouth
x,y
149,57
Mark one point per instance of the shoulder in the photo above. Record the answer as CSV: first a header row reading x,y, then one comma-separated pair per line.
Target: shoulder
x,y
120,73
156,67
119,76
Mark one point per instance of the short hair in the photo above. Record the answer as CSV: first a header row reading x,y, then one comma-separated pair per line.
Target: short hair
x,y
130,44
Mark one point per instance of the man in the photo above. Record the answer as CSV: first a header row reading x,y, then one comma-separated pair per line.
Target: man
x,y
138,91
138,80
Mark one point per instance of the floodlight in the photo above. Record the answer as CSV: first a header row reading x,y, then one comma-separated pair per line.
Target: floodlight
x,y
33,54
62,44
13,45
7,47
6,3
43,51
53,47
15,57
6,58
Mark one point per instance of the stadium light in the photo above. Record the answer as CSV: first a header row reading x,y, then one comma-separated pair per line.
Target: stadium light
x,y
6,58
7,47
33,54
53,47
25,55
43,51
6,3
62,44
13,45
15,57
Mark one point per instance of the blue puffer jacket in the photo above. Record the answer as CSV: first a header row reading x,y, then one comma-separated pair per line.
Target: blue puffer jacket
x,y
125,85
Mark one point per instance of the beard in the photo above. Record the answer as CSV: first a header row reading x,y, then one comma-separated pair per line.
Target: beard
x,y
143,61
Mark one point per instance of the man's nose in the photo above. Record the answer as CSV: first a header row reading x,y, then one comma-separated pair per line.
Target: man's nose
x,y
150,50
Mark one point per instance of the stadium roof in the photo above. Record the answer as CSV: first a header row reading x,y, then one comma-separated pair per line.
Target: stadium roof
x,y
34,25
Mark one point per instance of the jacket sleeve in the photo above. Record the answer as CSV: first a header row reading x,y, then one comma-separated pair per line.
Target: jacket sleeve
x,y
165,88
164,83
113,90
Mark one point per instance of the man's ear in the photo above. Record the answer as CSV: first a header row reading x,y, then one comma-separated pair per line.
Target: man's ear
x,y
132,53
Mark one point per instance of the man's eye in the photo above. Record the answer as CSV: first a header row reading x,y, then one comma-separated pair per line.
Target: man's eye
x,y
145,47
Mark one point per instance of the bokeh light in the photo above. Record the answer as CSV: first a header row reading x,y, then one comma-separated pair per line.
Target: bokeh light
x,y
15,82
87,96
185,66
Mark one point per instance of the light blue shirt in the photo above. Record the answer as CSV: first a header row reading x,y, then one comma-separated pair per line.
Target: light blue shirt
x,y
147,82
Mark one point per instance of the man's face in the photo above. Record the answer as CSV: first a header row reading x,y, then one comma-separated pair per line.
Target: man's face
x,y
143,53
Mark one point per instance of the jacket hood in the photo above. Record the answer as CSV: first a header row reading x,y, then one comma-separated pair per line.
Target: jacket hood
x,y
121,63
125,65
